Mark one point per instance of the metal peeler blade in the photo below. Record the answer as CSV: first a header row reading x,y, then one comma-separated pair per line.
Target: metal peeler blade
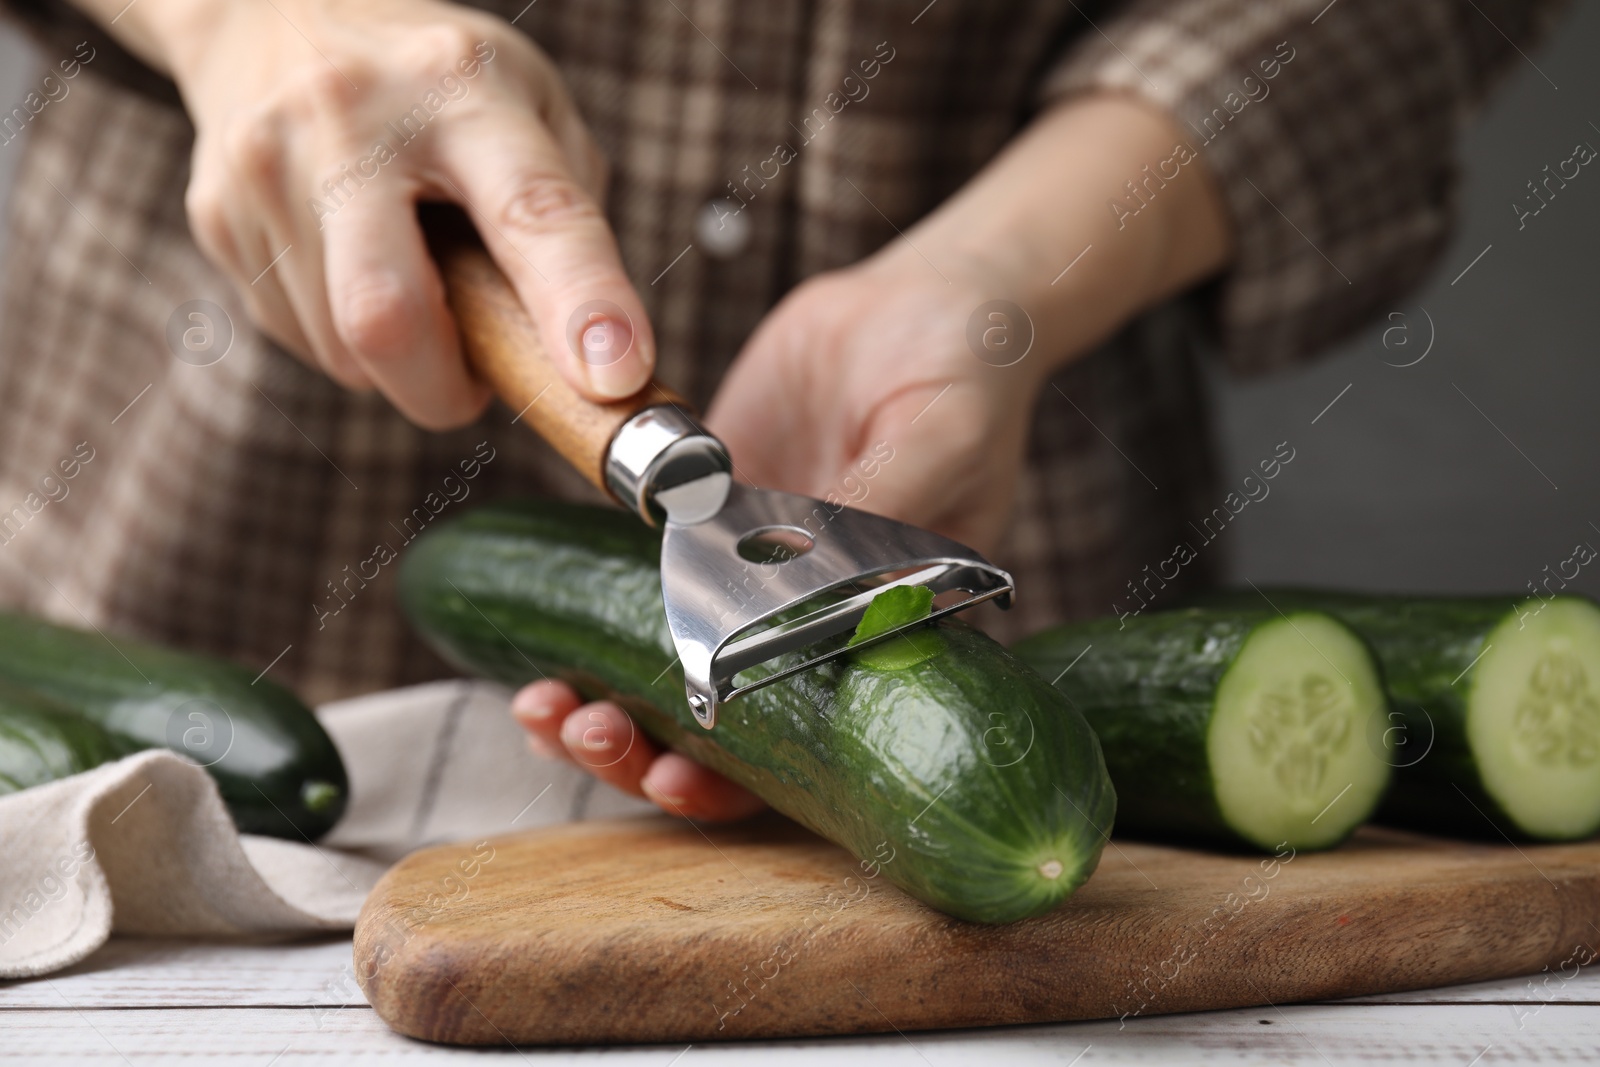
x,y
726,576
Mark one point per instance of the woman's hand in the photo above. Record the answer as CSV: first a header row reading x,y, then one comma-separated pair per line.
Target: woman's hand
x,y
860,388
320,125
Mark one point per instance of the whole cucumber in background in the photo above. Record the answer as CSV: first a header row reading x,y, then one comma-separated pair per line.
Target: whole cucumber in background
x,y
1497,700
940,751
275,767
42,740
1228,727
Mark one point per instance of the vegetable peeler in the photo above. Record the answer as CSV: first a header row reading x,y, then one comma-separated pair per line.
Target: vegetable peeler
x,y
734,558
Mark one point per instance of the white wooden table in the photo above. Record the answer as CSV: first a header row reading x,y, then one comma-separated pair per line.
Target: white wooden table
x,y
159,1001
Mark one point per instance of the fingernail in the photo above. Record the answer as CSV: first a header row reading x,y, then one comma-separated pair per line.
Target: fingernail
x,y
610,358
656,796
588,731
531,705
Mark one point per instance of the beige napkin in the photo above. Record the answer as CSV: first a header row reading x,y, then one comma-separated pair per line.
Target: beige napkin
x,y
144,845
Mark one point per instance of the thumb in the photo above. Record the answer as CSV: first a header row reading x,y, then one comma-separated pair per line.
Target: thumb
x,y
946,475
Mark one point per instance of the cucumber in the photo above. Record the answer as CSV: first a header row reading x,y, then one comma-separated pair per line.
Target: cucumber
x,y
276,769
42,740
1228,727
958,772
1496,700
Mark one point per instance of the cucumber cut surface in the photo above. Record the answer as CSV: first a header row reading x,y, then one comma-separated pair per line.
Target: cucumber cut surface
x,y
1289,737
1533,717
1495,723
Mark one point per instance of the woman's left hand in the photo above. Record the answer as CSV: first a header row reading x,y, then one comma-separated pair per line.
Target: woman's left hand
x,y
861,389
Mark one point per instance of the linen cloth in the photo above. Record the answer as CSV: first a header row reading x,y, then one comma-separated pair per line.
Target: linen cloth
x,y
144,846
224,504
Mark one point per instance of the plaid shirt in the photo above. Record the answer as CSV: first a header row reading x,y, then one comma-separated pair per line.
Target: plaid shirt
x,y
225,507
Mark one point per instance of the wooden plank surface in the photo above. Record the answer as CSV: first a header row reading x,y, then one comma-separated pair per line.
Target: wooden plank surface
x,y
655,930
165,1002
1456,1035
149,973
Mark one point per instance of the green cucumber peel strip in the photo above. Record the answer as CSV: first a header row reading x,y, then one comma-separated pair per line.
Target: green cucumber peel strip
x,y
893,609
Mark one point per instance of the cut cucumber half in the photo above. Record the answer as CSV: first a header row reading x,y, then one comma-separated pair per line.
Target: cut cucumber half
x,y
1288,743
1496,706
1533,717
1228,726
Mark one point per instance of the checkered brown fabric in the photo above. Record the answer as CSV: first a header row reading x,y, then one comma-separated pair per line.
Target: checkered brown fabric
x,y
215,507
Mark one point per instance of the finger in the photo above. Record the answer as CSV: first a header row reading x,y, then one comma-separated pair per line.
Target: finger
x,y
954,475
757,429
540,708
584,159
604,741
681,786
231,237
287,288
552,240
278,246
909,487
272,313
269,308
388,310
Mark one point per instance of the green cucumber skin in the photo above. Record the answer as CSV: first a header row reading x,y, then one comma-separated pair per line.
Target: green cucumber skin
x,y
42,741
901,763
135,692
1147,689
1426,646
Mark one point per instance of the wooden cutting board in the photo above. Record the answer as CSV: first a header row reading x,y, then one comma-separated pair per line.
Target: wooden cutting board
x,y
654,929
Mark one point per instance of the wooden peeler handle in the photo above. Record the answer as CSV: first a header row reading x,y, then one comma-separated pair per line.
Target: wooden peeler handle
x,y
504,348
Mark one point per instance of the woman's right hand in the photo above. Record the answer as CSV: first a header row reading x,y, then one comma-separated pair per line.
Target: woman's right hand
x,y
320,125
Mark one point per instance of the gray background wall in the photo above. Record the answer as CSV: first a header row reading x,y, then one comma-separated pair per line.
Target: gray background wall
x,y
1403,483
17,68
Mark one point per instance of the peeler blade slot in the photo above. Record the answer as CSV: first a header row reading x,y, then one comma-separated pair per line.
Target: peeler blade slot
x,y
741,653
970,601
724,583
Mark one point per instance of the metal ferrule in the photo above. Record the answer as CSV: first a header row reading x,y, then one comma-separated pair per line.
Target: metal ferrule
x,y
658,449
